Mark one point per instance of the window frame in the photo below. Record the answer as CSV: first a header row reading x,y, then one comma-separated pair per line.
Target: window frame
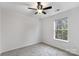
x,y
60,29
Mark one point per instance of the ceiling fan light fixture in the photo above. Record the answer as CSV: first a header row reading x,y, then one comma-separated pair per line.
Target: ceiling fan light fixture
x,y
40,8
39,11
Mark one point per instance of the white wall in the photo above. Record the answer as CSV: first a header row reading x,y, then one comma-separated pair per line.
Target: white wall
x,y
0,30
73,33
18,30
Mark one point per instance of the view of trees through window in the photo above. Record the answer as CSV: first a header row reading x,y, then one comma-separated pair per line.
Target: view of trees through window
x,y
61,28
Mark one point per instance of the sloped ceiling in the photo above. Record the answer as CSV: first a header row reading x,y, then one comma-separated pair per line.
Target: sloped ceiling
x,y
22,7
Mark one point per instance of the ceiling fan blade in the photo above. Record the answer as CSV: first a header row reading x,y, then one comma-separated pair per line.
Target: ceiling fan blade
x,y
36,12
32,8
47,8
44,12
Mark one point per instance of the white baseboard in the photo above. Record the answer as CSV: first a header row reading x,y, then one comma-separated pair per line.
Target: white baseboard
x,y
31,43
69,51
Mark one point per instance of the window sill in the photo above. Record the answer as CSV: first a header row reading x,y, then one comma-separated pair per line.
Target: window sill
x,y
61,40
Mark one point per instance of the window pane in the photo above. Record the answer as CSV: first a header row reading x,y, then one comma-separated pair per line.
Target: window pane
x,y
64,34
58,24
64,24
61,23
58,34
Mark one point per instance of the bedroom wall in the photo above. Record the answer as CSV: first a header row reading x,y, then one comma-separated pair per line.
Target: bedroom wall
x,y
73,31
18,30
0,31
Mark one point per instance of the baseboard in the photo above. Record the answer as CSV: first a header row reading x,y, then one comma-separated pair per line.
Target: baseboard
x,y
32,43
61,49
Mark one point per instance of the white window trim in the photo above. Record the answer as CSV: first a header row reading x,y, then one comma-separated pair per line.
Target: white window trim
x,y
56,38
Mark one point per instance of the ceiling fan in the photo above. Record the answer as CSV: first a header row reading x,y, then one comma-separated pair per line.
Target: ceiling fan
x,y
40,9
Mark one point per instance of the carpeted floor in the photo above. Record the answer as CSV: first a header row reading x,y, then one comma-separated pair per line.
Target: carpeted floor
x,y
40,49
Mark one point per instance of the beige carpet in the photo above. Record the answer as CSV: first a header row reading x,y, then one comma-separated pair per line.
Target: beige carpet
x,y
40,49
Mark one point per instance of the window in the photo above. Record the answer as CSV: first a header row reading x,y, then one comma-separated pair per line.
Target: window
x,y
61,29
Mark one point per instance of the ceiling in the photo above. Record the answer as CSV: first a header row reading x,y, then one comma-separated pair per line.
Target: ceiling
x,y
22,7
